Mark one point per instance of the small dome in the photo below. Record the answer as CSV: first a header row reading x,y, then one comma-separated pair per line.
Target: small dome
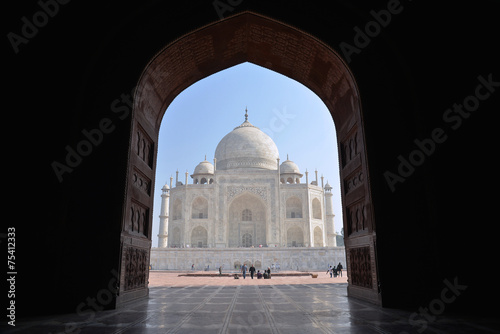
x,y
289,166
204,167
328,186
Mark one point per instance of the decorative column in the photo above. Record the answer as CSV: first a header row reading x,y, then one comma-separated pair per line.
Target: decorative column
x,y
163,232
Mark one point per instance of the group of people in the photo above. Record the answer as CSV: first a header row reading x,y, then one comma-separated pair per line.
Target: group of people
x,y
335,270
266,274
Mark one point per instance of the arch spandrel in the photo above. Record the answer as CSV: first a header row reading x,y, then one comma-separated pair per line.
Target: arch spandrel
x,y
245,37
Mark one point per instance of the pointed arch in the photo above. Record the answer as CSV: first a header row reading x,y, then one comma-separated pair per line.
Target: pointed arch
x,y
247,223
199,237
293,207
316,208
251,37
318,237
199,208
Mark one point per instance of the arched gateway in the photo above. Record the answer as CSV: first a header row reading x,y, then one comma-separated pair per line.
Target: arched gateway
x,y
249,37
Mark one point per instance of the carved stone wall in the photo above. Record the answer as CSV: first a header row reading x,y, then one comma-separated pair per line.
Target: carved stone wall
x,y
141,181
353,181
349,148
136,266
144,147
139,219
356,218
360,267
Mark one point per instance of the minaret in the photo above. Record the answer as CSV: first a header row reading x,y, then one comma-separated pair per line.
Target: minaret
x,y
331,237
163,232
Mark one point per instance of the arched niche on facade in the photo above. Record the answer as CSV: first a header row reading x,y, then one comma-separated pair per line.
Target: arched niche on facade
x,y
247,221
199,208
293,207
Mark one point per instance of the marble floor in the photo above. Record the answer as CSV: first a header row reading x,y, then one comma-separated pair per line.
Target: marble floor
x,y
254,308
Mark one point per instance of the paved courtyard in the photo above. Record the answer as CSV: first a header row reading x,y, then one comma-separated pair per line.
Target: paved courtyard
x,y
288,304
162,278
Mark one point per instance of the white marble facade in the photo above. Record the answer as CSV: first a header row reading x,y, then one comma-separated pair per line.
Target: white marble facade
x,y
286,258
246,199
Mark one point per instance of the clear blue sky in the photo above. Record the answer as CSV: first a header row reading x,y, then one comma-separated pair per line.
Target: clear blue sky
x,y
291,114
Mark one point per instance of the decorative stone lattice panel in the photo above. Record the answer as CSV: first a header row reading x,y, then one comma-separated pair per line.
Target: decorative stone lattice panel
x,y
139,217
136,266
360,267
232,191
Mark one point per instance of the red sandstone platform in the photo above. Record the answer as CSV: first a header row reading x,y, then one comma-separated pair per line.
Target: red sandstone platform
x,y
196,278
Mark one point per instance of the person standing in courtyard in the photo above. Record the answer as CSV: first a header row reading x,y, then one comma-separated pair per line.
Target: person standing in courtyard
x,y
339,268
252,271
244,270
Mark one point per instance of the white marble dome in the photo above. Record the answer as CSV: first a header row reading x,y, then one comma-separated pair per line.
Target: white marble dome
x,y
246,147
204,167
289,166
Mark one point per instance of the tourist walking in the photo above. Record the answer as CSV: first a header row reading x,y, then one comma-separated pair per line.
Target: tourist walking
x,y
244,270
220,270
339,268
330,270
252,271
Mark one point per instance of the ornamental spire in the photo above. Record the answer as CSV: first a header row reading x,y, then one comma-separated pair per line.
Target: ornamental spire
x,y
246,114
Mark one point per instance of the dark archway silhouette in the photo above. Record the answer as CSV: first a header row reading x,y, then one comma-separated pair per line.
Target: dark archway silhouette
x,y
250,37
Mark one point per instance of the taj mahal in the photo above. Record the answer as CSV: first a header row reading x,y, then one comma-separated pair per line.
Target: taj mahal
x,y
246,207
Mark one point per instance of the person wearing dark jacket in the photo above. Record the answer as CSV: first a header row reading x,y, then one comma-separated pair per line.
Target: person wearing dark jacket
x,y
252,271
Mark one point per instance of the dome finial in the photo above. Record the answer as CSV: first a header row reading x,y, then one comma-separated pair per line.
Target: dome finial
x,y
205,157
287,157
246,114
